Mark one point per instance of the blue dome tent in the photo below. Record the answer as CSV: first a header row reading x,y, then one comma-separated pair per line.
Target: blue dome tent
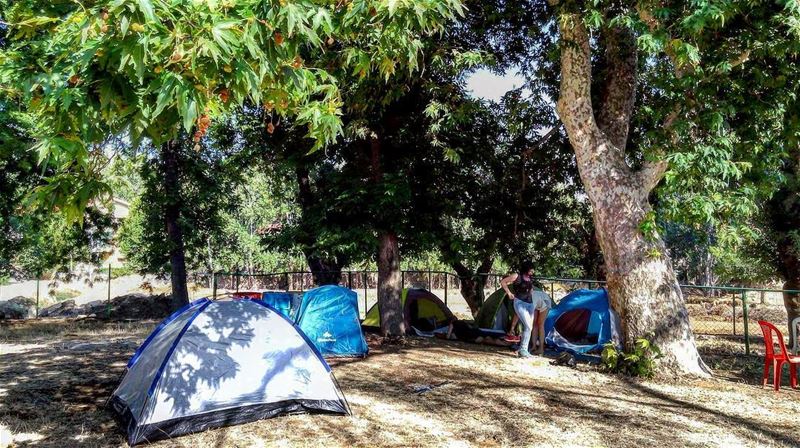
x,y
285,303
328,315
582,322
220,363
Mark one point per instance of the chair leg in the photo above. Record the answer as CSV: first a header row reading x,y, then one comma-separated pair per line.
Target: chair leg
x,y
776,376
765,378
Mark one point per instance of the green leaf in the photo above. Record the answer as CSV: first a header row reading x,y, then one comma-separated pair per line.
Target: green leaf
x,y
190,115
146,7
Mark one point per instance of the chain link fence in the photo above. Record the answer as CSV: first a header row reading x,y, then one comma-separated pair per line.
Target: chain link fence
x,y
725,311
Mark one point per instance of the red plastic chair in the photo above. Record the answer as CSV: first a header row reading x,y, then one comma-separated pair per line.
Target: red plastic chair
x,y
777,359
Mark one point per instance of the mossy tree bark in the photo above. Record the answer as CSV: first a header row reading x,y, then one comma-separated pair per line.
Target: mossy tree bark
x,y
641,283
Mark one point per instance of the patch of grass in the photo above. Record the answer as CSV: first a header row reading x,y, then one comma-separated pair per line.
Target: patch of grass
x,y
49,330
60,295
119,272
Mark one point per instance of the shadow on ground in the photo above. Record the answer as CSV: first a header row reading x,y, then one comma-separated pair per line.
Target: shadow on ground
x,y
53,386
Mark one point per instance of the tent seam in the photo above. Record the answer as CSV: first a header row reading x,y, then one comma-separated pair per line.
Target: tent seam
x,y
168,356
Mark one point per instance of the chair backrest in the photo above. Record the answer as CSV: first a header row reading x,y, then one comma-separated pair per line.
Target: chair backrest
x,y
768,330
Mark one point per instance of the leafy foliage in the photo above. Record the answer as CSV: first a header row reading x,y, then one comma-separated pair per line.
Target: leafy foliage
x,y
641,362
153,67
205,180
49,243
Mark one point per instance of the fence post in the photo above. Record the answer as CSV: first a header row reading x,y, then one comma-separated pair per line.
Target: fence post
x,y
430,280
237,278
349,279
746,329
286,280
733,304
38,279
108,302
365,295
446,281
214,284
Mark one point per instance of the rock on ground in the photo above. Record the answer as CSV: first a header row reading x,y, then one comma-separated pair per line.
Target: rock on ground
x,y
129,306
140,306
66,308
18,308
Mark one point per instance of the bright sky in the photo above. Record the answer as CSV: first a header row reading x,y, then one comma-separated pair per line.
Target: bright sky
x,y
487,85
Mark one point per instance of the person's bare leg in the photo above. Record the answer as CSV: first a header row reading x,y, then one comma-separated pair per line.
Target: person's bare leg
x,y
539,329
514,322
534,332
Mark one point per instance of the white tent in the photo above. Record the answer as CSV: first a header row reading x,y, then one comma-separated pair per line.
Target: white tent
x,y
219,363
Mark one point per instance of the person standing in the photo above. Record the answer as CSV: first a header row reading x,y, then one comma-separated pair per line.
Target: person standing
x,y
522,298
541,306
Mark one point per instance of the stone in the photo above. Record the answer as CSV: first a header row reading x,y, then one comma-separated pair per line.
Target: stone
x,y
67,308
18,308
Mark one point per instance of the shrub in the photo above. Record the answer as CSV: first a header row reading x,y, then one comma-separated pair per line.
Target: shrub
x,y
641,362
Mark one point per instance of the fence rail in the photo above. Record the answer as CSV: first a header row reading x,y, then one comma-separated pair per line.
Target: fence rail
x,y
713,310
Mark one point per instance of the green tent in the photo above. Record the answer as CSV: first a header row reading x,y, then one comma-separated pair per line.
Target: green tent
x,y
496,312
420,307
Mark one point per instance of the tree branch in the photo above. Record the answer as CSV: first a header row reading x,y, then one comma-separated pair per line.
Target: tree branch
x,y
651,173
619,87
542,140
575,100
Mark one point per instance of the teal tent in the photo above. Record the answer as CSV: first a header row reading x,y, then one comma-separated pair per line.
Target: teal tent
x,y
328,315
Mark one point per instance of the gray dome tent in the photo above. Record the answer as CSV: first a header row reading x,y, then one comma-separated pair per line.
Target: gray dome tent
x,y
222,363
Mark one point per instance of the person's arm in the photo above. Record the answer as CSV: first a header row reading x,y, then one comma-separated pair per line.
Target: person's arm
x,y
507,281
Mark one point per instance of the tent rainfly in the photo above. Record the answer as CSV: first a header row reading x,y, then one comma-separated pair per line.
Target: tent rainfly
x,y
422,311
220,363
328,315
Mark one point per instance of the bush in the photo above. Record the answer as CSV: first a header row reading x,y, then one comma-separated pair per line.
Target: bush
x,y
60,295
121,272
640,363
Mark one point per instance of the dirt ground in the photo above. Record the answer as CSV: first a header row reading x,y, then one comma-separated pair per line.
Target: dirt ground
x,y
55,376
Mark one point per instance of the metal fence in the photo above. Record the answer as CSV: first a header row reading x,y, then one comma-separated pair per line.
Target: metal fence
x,y
727,311
713,310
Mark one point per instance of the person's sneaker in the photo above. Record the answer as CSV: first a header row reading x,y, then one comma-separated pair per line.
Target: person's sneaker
x,y
511,338
524,354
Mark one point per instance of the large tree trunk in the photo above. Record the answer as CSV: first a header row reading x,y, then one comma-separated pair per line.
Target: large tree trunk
x,y
170,172
473,283
641,283
389,287
389,275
